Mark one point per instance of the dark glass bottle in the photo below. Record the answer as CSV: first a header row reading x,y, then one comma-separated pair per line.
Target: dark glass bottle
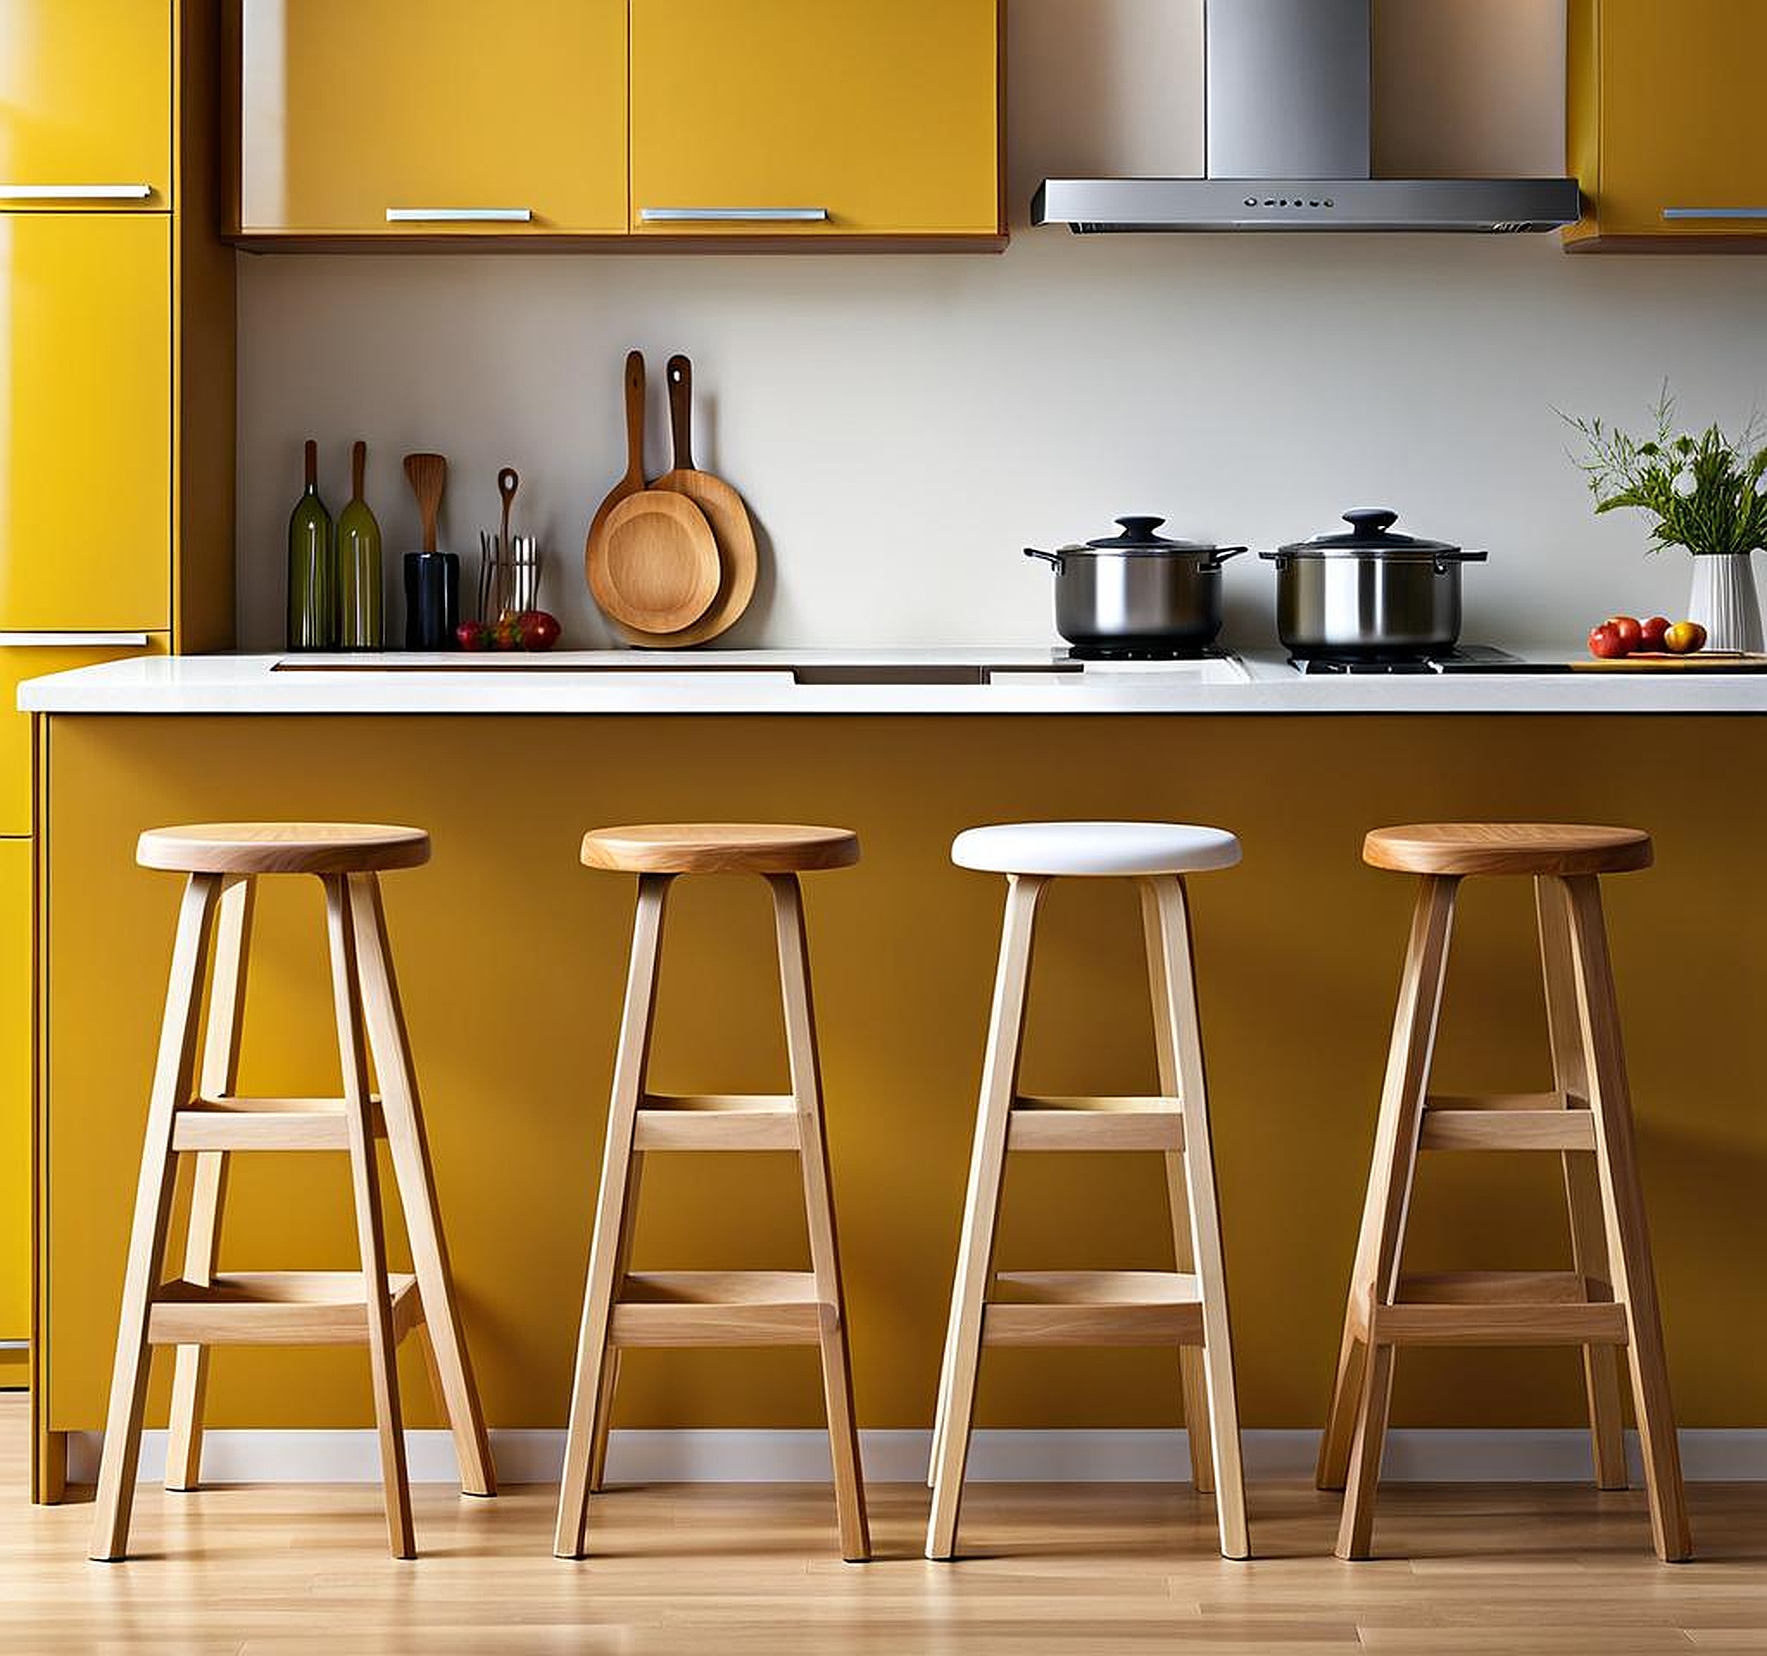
x,y
312,568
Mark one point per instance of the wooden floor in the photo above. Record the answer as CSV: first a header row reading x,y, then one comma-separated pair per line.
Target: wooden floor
x,y
1075,1570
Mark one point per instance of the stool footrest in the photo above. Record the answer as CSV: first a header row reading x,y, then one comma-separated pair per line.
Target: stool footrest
x,y
1507,1121
1095,1123
1520,1308
719,1308
1094,1308
276,1308
718,1121
267,1124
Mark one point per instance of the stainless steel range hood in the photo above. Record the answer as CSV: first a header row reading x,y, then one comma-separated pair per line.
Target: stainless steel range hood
x,y
1288,145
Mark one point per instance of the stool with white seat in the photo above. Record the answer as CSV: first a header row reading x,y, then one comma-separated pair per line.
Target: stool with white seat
x,y
1186,1307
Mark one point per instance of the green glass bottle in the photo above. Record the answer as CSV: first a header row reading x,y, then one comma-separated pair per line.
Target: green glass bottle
x,y
312,568
358,566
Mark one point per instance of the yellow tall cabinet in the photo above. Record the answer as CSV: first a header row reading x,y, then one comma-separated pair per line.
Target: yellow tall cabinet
x,y
1664,130
116,437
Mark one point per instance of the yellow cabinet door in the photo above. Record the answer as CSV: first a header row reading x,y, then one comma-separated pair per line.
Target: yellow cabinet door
x,y
85,424
881,114
1683,151
18,663
86,103
354,109
16,957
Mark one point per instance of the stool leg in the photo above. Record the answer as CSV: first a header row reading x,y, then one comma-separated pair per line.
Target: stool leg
x,y
1601,1363
825,1257
370,1227
1628,1236
982,1209
173,1070
220,1079
1183,1035
408,1146
1193,1381
610,1214
1389,1195
610,1362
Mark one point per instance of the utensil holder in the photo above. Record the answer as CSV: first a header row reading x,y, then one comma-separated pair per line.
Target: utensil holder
x,y
432,600
509,576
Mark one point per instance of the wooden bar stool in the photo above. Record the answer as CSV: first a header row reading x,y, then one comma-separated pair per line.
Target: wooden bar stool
x,y
206,1119
1187,1307
1608,1301
622,1307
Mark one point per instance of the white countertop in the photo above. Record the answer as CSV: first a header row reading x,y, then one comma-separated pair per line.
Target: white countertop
x,y
980,681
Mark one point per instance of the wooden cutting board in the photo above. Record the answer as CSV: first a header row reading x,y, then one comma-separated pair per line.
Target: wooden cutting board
x,y
654,565
1710,661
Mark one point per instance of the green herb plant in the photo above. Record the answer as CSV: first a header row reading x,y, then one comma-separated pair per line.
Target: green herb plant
x,y
1707,494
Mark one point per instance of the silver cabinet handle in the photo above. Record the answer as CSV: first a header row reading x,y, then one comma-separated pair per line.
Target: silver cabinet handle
x,y
459,215
1715,212
75,192
732,215
73,640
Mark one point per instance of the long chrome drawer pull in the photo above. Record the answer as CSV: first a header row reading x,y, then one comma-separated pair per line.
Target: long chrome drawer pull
x,y
459,215
15,1345
732,215
75,192
73,640
1715,212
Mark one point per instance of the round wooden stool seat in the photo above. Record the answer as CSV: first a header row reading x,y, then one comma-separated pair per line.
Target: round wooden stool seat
x,y
719,848
282,848
1507,848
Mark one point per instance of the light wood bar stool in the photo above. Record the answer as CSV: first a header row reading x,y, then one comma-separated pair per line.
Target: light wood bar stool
x,y
205,1118
1185,1308
622,1307
1608,1301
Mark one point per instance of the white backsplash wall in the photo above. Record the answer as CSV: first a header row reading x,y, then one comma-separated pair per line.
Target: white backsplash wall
x,y
903,425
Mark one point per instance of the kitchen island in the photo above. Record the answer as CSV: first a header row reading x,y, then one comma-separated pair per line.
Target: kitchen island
x,y
512,958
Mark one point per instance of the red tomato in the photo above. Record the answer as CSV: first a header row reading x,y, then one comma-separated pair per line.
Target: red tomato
x,y
1652,632
473,635
539,631
1630,630
1605,642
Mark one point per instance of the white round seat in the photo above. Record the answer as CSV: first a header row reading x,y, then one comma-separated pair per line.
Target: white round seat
x,y
1102,849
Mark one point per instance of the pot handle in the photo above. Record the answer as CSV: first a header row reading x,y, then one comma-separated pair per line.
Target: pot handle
x,y
1449,560
1222,554
1054,559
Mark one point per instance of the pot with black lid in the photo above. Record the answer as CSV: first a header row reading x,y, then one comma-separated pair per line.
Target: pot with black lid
x,y
1369,595
1138,590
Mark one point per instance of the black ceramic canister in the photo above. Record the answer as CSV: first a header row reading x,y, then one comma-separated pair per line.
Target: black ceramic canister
x,y
432,600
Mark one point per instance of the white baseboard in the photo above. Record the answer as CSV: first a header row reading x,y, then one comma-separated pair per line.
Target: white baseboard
x,y
901,1456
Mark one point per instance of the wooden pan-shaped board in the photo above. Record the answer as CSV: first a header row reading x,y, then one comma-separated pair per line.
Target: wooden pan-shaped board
x,y
654,566
738,556
633,482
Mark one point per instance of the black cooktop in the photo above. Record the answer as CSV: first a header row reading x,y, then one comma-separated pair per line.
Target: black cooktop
x,y
1468,658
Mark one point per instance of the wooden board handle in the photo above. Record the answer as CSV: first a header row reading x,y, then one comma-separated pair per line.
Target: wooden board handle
x,y
680,374
635,418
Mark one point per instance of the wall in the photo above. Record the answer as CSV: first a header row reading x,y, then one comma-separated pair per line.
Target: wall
x,y
903,426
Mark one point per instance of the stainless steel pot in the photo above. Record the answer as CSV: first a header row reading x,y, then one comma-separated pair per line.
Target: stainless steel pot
x,y
1138,590
1369,594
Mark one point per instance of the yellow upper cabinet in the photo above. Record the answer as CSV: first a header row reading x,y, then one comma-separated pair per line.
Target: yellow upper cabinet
x,y
453,116
1665,124
85,104
85,422
882,115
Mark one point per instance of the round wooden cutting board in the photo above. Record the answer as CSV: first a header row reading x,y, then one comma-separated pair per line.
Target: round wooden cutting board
x,y
654,567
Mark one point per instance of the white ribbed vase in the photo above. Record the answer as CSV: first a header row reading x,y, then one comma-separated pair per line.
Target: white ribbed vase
x,y
1724,601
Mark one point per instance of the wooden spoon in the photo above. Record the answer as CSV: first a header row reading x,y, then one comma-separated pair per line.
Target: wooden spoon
x,y
428,474
508,481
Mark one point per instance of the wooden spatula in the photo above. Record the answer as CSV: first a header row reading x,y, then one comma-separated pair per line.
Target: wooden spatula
x,y
428,474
